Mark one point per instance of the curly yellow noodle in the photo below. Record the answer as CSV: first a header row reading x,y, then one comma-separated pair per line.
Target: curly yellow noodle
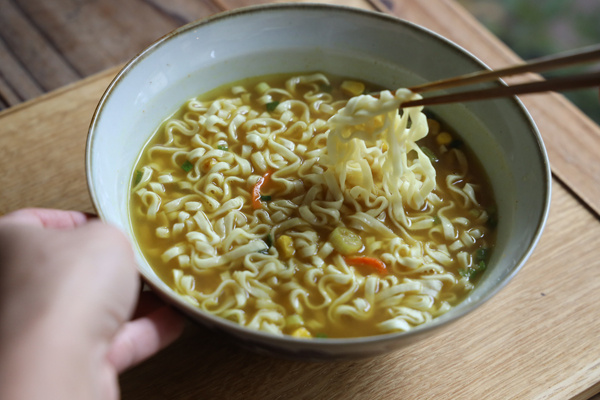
x,y
351,163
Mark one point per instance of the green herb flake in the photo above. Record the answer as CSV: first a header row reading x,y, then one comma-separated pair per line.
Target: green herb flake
x,y
325,88
268,240
436,220
492,213
265,198
482,254
492,221
455,144
138,177
470,273
187,166
224,148
294,321
272,105
321,335
481,266
466,272
429,153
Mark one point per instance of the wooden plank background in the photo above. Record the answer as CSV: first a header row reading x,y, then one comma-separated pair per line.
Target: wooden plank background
x,y
541,342
47,44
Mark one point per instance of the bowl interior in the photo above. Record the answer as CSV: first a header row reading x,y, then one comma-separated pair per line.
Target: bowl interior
x,y
341,41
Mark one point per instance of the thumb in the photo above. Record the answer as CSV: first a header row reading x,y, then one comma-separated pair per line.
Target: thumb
x,y
141,338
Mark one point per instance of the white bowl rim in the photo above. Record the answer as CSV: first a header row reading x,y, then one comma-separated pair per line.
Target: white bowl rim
x,y
329,342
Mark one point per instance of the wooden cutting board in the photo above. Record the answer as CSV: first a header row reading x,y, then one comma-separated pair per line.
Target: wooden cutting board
x,y
536,339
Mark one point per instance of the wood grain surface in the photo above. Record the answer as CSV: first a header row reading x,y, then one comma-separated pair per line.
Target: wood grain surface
x,y
42,144
537,339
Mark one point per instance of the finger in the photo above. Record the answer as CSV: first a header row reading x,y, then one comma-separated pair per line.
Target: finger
x,y
46,218
139,339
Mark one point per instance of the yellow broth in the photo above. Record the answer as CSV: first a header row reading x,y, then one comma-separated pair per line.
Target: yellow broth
x,y
153,247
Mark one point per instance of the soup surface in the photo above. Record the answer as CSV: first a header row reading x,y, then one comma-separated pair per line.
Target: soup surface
x,y
247,205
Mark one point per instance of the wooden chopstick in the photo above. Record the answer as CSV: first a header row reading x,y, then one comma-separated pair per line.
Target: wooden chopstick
x,y
556,84
580,56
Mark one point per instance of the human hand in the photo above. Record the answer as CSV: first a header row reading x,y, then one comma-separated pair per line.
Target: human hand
x,y
68,286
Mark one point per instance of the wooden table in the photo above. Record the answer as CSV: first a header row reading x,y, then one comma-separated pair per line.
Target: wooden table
x,y
537,339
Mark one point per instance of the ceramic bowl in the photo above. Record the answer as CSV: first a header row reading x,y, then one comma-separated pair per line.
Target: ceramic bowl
x,y
344,41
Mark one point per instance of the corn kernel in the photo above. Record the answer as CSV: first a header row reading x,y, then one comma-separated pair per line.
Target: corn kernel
x,y
353,88
434,126
285,246
443,138
302,333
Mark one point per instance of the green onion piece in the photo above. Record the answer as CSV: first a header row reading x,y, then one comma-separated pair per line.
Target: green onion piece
x,y
224,148
471,272
436,220
481,266
429,153
294,321
265,198
272,105
466,272
268,240
138,177
187,166
492,221
482,254
325,88
321,335
455,144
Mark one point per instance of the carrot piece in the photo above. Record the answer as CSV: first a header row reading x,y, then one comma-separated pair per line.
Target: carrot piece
x,y
262,181
371,262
